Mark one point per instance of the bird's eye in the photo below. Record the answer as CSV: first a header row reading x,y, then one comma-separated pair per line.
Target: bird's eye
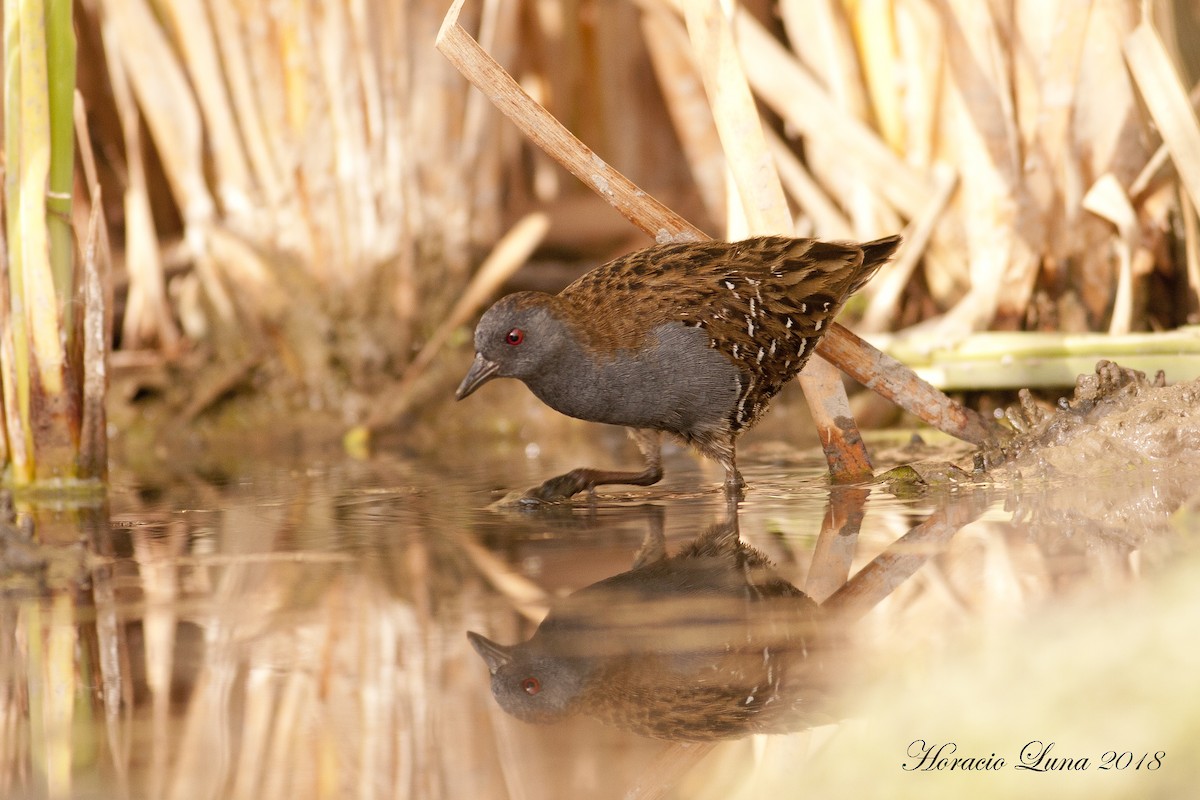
x,y
515,336
531,686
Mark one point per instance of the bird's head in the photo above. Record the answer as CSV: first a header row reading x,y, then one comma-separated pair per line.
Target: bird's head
x,y
531,686
515,337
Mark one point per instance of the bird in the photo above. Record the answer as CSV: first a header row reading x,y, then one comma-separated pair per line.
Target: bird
x,y
690,339
708,644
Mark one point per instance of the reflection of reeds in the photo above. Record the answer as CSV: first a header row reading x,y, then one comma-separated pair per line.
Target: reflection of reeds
x,y
314,648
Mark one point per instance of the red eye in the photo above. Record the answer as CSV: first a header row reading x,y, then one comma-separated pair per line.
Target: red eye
x,y
515,336
531,686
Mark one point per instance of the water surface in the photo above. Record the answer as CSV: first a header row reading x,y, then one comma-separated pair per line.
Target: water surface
x,y
300,632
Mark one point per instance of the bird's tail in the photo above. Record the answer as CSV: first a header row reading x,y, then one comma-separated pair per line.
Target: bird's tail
x,y
875,255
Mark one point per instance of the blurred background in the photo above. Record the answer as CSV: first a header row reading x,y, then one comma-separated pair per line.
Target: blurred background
x,y
296,193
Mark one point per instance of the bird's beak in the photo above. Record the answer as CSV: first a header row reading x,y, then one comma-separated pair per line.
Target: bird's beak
x,y
495,655
481,372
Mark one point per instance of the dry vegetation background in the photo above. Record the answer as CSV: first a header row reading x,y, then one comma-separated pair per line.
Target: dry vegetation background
x,y
297,193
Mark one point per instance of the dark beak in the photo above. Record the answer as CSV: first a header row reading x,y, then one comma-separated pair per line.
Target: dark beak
x,y
481,372
495,655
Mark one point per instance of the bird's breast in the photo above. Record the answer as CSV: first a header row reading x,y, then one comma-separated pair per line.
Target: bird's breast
x,y
675,381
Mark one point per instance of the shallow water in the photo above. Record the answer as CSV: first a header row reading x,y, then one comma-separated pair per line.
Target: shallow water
x,y
301,632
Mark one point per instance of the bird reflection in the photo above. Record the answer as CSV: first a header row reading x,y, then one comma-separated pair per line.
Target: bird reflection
x,y
710,643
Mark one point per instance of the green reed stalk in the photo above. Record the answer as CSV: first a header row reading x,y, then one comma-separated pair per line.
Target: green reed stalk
x,y
40,384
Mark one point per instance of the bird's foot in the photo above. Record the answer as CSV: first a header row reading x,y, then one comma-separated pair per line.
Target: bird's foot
x,y
558,489
566,486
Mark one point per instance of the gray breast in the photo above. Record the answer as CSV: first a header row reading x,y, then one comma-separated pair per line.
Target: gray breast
x,y
676,382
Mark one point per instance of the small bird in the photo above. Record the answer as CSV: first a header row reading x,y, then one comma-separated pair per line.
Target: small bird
x,y
708,644
689,339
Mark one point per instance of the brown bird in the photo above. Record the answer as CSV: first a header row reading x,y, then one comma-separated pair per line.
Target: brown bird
x,y
692,339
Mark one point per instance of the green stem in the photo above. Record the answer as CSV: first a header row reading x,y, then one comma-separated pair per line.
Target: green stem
x,y
60,69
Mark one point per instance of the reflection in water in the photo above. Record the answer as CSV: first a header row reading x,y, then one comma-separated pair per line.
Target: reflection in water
x,y
707,644
299,633
710,643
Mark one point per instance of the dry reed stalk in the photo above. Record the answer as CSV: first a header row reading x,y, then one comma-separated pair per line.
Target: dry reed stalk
x,y
824,215
736,116
1191,240
1108,200
331,174
1031,103
509,255
996,205
37,319
96,327
193,33
783,83
32,317
13,449
148,318
666,40
1167,102
461,50
886,289
1160,163
825,29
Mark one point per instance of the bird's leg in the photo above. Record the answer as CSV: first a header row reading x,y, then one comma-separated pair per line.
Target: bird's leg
x,y
734,485
654,544
563,486
720,447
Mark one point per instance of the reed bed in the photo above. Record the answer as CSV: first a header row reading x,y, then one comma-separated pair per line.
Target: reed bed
x,y
1041,156
302,187
304,191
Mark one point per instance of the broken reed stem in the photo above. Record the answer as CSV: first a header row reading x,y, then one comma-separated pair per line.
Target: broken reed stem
x,y
852,355
841,441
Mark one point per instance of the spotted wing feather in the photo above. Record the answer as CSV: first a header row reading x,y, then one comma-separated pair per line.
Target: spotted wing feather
x,y
764,302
